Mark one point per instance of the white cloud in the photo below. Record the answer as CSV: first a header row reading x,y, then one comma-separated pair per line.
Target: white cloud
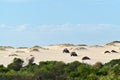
x,y
15,0
17,28
84,28
2,26
22,27
75,27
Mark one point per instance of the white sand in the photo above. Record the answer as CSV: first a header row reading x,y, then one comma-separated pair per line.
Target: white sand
x,y
54,53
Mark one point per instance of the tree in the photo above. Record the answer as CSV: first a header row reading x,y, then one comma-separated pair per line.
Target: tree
x,y
98,65
31,60
16,65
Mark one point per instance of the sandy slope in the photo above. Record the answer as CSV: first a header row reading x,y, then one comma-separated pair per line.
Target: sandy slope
x,y
54,53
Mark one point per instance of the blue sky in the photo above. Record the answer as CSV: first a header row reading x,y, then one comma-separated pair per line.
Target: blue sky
x,y
46,22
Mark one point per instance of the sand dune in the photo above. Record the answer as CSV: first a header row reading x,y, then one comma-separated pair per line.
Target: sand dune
x,y
55,53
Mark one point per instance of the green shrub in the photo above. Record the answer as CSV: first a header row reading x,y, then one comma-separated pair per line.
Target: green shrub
x,y
16,65
31,61
98,65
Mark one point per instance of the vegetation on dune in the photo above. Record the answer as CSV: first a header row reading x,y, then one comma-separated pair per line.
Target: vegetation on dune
x,y
36,46
82,45
113,43
66,45
22,48
3,48
7,47
53,70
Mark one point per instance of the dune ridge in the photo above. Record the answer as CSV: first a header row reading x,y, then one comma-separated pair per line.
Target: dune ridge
x,y
97,53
